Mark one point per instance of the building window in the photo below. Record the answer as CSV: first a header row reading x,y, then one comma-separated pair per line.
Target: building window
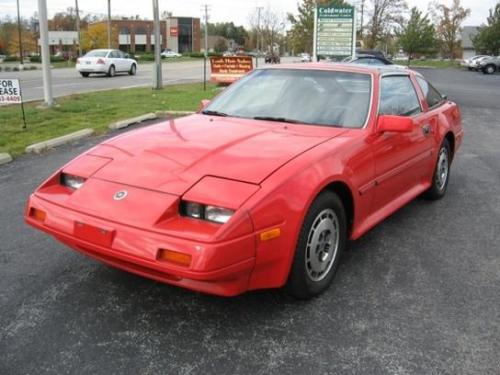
x,y
185,30
140,31
124,30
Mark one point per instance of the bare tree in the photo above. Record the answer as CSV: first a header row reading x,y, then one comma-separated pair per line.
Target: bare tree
x,y
270,28
449,25
384,15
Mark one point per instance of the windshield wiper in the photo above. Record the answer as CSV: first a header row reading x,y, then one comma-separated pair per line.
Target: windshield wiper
x,y
214,113
279,119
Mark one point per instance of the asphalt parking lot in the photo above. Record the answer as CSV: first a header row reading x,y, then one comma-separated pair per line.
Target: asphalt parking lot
x,y
419,294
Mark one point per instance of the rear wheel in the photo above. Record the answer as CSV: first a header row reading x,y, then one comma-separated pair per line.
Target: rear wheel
x,y
321,242
85,75
441,173
111,71
133,70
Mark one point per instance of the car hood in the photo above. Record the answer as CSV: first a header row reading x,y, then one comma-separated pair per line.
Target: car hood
x,y
172,156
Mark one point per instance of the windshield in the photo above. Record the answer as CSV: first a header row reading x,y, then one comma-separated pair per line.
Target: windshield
x,y
97,54
316,97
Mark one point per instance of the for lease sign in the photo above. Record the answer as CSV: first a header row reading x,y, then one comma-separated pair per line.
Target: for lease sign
x,y
229,69
10,91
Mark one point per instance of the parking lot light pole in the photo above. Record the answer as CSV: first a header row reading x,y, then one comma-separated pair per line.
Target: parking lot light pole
x,y
109,23
44,44
19,32
157,76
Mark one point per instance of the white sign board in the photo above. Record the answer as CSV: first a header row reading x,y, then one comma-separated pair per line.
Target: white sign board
x,y
10,91
336,32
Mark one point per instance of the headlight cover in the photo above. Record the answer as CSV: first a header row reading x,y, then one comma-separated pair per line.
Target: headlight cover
x,y
71,181
211,213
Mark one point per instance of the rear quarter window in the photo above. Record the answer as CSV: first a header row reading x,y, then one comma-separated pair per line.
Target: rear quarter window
x,y
432,96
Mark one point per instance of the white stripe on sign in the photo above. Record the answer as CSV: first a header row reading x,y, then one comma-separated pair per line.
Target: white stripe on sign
x,y
10,91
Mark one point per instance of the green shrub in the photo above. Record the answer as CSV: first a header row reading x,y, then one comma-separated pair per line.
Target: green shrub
x,y
33,67
7,69
11,58
15,69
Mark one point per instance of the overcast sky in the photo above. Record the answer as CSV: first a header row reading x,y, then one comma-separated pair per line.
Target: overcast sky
x,y
220,10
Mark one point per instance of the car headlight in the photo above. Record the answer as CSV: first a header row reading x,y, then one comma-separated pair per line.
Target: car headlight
x,y
71,181
200,211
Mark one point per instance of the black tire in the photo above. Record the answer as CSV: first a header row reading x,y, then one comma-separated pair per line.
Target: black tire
x,y
489,69
438,187
132,70
111,71
84,75
301,281
470,69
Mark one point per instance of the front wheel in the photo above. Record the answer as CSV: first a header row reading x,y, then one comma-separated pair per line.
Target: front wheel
x,y
321,242
441,173
133,70
84,74
489,69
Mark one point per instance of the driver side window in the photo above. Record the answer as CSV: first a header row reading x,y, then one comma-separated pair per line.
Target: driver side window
x,y
398,97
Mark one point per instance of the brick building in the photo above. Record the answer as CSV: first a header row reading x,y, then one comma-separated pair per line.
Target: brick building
x,y
180,34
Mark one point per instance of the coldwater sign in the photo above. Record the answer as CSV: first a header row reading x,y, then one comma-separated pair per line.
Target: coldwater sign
x,y
336,31
10,91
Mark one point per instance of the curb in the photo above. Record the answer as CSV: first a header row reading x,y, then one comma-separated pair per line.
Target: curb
x,y
173,113
124,123
54,142
5,158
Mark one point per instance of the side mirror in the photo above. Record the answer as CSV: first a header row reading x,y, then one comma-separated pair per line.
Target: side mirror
x,y
203,104
397,124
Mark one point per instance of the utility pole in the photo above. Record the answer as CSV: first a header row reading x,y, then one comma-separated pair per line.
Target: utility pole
x,y
259,9
44,42
157,77
19,32
109,23
362,13
206,49
78,28
315,33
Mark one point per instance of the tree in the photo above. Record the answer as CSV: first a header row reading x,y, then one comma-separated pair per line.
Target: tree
x,y
227,30
384,16
417,35
449,21
96,36
300,37
28,42
269,29
8,29
220,45
488,39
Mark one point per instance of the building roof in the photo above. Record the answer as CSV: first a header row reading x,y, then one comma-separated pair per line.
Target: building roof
x,y
468,33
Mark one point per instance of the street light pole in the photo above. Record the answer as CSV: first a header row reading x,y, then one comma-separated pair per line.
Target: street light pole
x,y
78,28
259,9
109,23
44,44
19,32
206,50
157,77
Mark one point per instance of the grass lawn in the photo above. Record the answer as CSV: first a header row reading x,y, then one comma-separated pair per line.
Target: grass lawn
x,y
92,110
431,63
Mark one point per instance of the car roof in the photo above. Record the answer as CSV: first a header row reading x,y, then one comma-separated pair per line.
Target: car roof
x,y
377,70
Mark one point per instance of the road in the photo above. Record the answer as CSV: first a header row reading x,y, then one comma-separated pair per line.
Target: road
x,y
419,294
66,81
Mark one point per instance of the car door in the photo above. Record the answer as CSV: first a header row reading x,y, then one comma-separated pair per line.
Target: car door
x,y
400,158
124,62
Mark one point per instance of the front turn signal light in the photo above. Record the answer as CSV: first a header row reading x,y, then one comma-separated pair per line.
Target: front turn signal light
x,y
37,214
270,234
175,257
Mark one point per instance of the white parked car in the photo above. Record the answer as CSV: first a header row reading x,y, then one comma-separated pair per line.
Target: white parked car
x,y
474,64
305,57
169,53
106,61
471,62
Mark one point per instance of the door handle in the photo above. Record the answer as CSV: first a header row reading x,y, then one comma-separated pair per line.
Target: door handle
x,y
426,129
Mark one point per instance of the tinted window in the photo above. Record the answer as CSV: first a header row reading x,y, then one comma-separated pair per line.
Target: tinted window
x,y
398,97
97,53
376,62
313,97
432,96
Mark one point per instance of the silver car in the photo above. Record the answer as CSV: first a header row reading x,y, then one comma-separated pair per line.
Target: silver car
x,y
106,61
468,63
490,65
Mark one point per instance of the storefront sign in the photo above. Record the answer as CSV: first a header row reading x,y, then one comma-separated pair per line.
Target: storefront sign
x,y
336,34
229,69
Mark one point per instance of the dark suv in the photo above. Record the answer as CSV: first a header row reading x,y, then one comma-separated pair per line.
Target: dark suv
x,y
490,65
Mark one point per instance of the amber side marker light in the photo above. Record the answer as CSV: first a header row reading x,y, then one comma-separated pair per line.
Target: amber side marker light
x,y
174,257
37,214
270,234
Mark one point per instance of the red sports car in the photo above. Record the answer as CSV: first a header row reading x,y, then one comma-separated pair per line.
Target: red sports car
x,y
264,186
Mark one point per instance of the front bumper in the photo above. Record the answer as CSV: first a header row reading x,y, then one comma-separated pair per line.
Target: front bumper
x,y
135,250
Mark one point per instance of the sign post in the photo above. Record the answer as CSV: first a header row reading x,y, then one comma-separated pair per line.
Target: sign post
x,y
335,34
10,93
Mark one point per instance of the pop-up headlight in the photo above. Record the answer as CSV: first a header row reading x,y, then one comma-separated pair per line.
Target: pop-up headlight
x,y
71,181
215,214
